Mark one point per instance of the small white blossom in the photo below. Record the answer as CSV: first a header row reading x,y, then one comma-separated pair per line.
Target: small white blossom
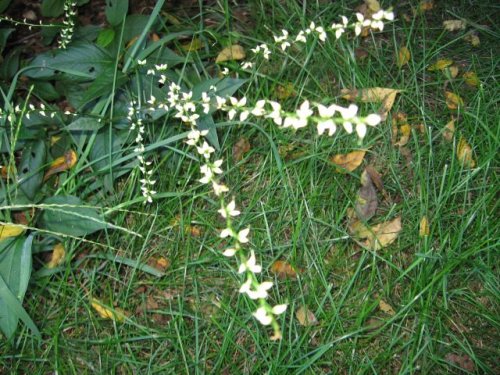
x,y
229,210
219,188
373,119
205,150
228,232
279,309
243,235
229,252
141,62
246,65
262,316
301,37
261,291
250,265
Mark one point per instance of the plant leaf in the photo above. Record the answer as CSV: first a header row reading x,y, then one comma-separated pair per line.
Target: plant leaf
x,y
10,230
240,148
116,10
403,56
464,154
449,130
234,52
471,79
57,256
440,65
366,201
453,101
31,168
385,307
306,317
424,227
454,25
62,163
348,162
116,314
283,269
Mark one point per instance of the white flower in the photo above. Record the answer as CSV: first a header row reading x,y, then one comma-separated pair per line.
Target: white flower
x,y
373,119
279,309
250,264
238,103
207,174
219,188
141,62
326,112
276,113
229,252
231,113
304,112
349,112
228,232
229,210
261,291
243,235
259,108
205,150
321,33
216,166
151,72
161,67
339,33
246,65
361,130
329,125
301,37
245,287
221,102
244,115
262,316
225,71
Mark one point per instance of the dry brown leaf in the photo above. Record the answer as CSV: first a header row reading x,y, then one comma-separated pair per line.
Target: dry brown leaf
x,y
453,101
348,162
403,56
61,164
378,236
193,230
162,264
376,178
405,131
240,149
473,39
283,269
454,25
464,154
426,5
116,314
366,201
385,307
234,52
440,65
424,229
471,79
57,256
449,130
10,230
306,317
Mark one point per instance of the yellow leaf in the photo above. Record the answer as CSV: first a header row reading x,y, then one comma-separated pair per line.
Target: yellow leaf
x,y
117,315
373,5
385,307
454,25
306,317
440,65
403,56
464,154
452,71
405,131
240,148
424,227
283,269
373,95
449,130
57,256
473,40
453,101
426,5
234,52
10,230
378,236
285,91
471,79
348,162
62,163
194,45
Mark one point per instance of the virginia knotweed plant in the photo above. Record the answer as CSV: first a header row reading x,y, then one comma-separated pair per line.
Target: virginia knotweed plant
x,y
326,119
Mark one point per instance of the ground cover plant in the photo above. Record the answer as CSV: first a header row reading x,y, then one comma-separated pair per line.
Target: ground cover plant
x,y
197,190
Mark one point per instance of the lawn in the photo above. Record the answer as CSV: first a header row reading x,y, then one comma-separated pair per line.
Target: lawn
x,y
388,264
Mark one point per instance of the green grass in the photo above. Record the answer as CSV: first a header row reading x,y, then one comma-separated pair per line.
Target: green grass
x,y
443,288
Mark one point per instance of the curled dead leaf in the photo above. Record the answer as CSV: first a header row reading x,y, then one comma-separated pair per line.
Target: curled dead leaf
x,y
283,269
116,314
424,227
473,39
441,64
451,71
464,154
234,52
366,201
61,164
386,308
403,56
240,149
453,101
306,317
426,5
405,131
348,162
57,256
378,236
454,25
449,130
471,79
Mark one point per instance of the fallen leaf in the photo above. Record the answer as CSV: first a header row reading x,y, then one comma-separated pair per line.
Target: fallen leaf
x,y
376,178
306,317
440,65
471,79
194,45
449,130
373,5
116,314
162,263
473,39
348,162
4,172
283,269
10,230
403,56
193,230
464,154
462,361
285,91
378,236
57,256
240,149
234,52
366,201
454,25
453,101
426,5
451,71
424,227
61,164
405,131
386,308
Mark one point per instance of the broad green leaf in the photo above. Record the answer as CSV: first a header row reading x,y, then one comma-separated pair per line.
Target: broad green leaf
x,y
82,60
69,215
15,272
46,90
116,10
105,37
4,35
103,84
84,124
52,8
31,168
10,64
4,4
